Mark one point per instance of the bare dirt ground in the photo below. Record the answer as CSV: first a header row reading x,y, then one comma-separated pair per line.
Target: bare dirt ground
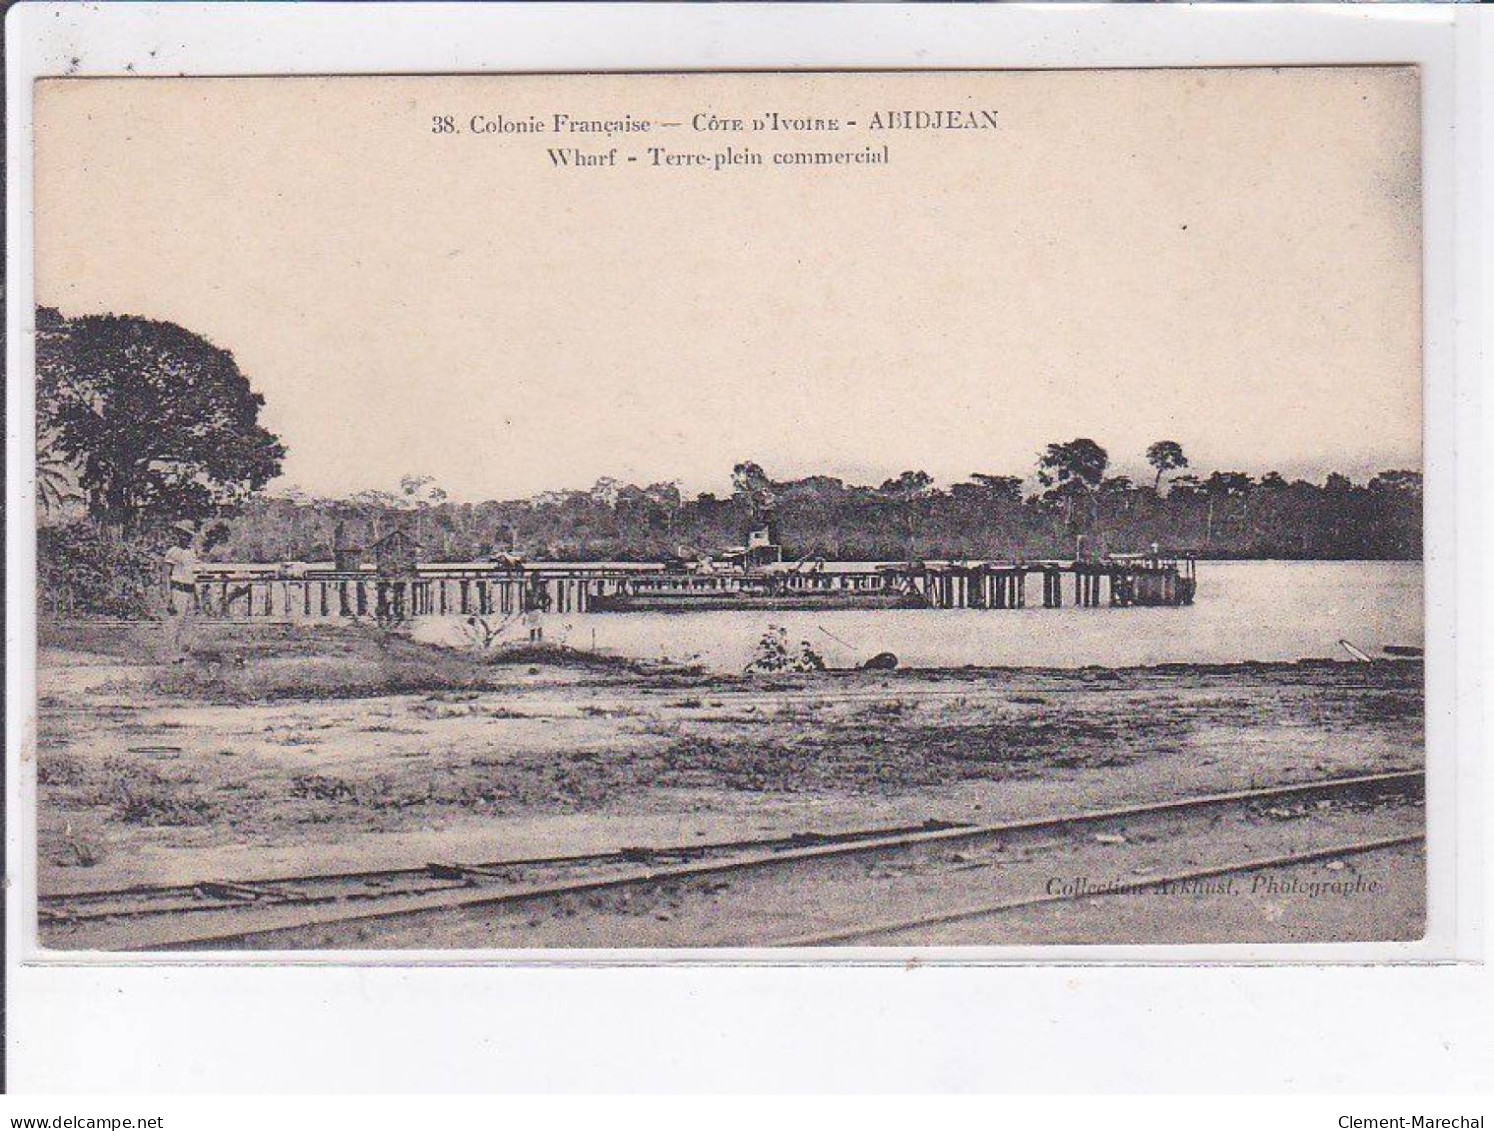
x,y
290,750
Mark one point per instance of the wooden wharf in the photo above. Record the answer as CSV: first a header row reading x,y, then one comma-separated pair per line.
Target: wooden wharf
x,y
406,589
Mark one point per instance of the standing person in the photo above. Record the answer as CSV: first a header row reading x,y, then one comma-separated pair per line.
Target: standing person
x,y
535,624
181,581
535,603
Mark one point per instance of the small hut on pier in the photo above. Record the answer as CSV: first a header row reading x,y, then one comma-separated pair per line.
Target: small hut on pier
x,y
396,555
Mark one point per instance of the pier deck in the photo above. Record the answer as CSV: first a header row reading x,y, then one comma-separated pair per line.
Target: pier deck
x,y
302,591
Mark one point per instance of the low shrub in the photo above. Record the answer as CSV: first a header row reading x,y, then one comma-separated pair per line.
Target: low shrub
x,y
775,654
84,570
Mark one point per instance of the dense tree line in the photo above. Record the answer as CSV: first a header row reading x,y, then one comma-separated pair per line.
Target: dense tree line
x,y
144,424
1079,510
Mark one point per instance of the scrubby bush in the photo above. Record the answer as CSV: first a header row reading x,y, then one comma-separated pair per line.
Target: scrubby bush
x,y
86,570
774,654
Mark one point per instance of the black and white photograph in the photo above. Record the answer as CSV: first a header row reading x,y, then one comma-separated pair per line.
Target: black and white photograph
x,y
659,512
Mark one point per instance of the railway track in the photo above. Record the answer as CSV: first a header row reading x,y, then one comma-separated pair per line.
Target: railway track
x,y
868,933
209,897
298,910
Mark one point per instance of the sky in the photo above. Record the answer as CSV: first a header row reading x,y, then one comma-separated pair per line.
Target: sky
x,y
1226,258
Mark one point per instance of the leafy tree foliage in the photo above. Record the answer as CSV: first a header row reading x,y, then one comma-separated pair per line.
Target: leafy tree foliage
x,y
1081,462
158,422
750,481
54,476
1165,456
999,488
909,485
86,570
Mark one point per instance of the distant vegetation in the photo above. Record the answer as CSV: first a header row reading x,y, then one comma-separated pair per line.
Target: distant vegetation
x,y
145,424
1079,508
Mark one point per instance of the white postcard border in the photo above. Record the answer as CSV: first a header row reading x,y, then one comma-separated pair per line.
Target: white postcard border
x,y
202,39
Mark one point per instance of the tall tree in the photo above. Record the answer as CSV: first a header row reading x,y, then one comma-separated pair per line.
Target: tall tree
x,y
1165,456
420,493
749,480
1219,488
159,421
1080,461
1074,469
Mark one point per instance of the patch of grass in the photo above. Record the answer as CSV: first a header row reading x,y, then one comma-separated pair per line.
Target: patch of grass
x,y
443,710
73,850
561,656
143,805
131,791
482,784
320,787
58,770
351,662
745,719
874,757
141,795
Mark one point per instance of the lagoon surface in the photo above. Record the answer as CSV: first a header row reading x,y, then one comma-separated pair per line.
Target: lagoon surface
x,y
1244,611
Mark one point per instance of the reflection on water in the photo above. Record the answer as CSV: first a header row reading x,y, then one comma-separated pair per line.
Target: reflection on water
x,y
1244,611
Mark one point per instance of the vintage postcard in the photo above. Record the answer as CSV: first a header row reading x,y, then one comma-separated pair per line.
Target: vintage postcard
x,y
737,510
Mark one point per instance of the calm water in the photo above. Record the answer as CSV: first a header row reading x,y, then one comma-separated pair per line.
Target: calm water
x,y
1244,611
